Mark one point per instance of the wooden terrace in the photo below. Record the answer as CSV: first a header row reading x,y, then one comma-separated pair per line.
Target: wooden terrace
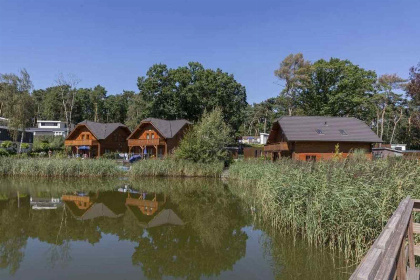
x,y
392,255
276,147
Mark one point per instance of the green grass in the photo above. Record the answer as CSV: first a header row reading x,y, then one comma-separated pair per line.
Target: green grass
x,y
55,167
340,204
171,167
45,167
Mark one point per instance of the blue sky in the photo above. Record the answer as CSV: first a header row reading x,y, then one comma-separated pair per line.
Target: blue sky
x,y
113,42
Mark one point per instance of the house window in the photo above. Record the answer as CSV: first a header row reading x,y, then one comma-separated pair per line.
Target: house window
x,y
343,132
320,132
147,136
55,124
310,158
83,137
153,136
87,136
42,124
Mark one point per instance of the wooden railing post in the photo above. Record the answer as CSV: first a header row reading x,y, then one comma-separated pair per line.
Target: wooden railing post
x,y
410,233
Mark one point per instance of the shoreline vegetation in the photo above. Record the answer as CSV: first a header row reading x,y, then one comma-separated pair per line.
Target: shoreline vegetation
x,y
339,204
64,168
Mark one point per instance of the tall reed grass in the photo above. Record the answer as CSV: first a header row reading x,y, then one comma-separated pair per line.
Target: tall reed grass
x,y
340,204
45,167
175,168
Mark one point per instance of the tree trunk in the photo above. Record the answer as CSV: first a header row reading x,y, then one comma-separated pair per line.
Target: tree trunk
x,y
21,141
382,121
396,121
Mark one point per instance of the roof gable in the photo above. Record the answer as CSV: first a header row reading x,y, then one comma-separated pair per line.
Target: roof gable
x,y
101,130
336,129
167,128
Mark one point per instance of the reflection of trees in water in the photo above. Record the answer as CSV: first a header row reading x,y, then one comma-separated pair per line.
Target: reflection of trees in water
x,y
12,236
209,242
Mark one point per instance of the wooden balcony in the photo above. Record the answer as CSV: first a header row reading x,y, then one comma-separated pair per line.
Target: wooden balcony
x,y
84,142
276,147
144,142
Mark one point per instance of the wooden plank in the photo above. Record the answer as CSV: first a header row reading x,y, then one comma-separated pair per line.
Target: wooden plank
x,y
392,255
416,207
417,250
416,228
370,265
410,246
386,250
413,274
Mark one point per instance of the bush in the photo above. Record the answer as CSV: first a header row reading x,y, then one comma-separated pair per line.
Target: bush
x,y
46,143
6,144
4,153
207,140
24,146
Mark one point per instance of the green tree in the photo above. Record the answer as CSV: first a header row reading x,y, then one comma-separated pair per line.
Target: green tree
x,y
186,92
116,106
207,140
67,89
338,88
294,71
17,103
138,109
387,101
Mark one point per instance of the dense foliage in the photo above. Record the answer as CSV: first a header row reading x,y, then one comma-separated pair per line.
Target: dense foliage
x,y
207,140
389,104
341,204
186,92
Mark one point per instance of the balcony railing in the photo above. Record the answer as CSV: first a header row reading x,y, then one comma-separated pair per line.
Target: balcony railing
x,y
144,142
282,146
84,142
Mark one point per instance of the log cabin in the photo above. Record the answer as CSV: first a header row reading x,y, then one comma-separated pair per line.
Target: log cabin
x,y
157,137
93,139
316,138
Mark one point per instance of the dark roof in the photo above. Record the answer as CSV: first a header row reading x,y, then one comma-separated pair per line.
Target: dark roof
x,y
46,129
101,130
327,129
7,128
168,129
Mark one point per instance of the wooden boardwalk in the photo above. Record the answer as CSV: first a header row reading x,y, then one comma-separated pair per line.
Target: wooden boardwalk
x,y
392,255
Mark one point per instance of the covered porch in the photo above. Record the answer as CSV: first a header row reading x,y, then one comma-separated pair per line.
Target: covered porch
x,y
150,148
277,150
84,148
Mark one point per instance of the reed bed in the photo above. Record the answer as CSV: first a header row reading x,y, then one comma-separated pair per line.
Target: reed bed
x,y
341,204
171,167
46,167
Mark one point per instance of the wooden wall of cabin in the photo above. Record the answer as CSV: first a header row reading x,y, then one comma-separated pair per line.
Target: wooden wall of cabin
x,y
82,133
326,150
173,142
116,141
145,129
276,134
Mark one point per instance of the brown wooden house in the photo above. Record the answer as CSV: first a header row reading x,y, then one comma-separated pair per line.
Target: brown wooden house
x,y
94,139
316,138
157,137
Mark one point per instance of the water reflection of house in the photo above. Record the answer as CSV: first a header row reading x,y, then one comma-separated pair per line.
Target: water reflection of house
x,y
106,204
150,210
45,203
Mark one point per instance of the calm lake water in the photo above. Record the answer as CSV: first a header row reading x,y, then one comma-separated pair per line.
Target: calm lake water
x,y
149,229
